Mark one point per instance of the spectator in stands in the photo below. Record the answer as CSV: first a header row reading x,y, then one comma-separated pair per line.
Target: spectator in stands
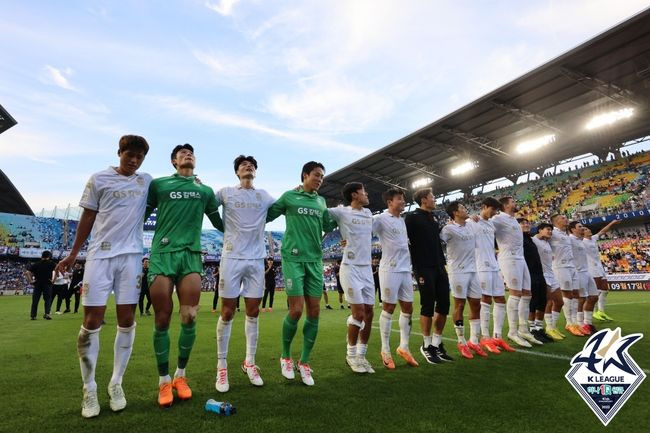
x,y
40,276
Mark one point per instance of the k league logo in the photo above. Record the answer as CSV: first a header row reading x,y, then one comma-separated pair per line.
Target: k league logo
x,y
604,374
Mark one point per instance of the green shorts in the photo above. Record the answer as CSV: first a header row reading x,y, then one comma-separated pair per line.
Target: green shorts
x,y
303,278
175,264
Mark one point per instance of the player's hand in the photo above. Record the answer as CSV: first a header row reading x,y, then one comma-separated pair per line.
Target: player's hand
x,y
343,243
475,218
614,222
297,188
65,264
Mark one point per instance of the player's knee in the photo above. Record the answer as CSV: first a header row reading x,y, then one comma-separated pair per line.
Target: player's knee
x,y
188,313
355,321
253,311
227,314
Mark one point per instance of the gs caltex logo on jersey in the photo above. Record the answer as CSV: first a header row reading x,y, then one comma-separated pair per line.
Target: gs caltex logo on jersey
x,y
604,374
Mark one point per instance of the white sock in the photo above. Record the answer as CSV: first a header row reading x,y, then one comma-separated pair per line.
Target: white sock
x,y
556,317
460,332
352,350
385,323
581,317
548,318
361,350
589,317
122,352
602,298
539,324
164,379
512,308
574,310
436,340
499,317
180,372
474,330
223,337
485,319
404,330
251,328
427,340
524,310
566,308
88,350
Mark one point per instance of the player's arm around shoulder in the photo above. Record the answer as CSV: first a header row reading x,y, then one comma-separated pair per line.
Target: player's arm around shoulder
x,y
329,223
152,197
212,209
278,208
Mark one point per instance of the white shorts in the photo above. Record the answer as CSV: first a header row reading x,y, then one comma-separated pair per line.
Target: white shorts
x,y
121,275
395,285
551,282
465,285
567,278
491,283
587,284
598,272
515,274
243,277
358,284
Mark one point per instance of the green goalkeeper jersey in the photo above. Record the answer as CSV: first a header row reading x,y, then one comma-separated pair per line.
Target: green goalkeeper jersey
x,y
181,202
307,217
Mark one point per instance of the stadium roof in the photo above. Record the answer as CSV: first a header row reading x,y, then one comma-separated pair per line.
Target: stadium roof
x,y
10,199
609,72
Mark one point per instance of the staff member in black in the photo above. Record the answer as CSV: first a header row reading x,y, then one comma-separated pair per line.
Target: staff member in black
x,y
75,287
144,290
40,276
429,268
269,282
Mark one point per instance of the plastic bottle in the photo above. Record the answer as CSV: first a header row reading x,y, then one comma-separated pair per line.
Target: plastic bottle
x,y
220,407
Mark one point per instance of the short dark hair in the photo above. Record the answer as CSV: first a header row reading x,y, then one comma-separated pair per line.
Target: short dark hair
x,y
242,158
573,224
504,200
521,220
309,167
134,143
348,189
451,208
180,147
542,226
421,194
554,216
46,255
492,202
390,193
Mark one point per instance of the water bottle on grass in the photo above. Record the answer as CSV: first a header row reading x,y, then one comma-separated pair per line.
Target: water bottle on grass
x,y
220,407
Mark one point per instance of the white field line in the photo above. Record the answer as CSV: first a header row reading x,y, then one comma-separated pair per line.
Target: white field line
x,y
625,303
527,352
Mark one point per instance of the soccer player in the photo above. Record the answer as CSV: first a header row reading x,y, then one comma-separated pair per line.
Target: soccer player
x,y
113,205
461,260
588,291
355,222
537,285
428,262
302,263
565,271
176,260
596,269
394,277
242,266
515,273
554,301
489,278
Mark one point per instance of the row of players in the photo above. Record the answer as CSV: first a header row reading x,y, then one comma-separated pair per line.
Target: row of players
x,y
117,200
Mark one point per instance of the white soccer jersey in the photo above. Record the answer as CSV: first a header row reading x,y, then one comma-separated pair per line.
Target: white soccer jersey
x,y
461,245
356,229
579,253
509,237
562,251
244,217
120,202
594,263
486,260
545,254
395,255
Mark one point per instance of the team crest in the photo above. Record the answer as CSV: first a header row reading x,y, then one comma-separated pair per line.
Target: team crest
x,y
459,288
514,281
387,290
140,181
604,373
483,285
84,289
258,196
351,255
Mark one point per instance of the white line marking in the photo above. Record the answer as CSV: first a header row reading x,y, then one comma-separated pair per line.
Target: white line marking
x,y
626,303
527,352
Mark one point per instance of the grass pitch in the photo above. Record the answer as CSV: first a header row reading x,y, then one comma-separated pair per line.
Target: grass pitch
x,y
511,392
